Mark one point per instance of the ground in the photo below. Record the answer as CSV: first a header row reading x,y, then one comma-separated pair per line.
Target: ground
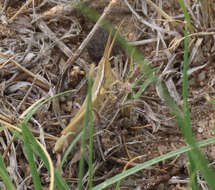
x,y
35,47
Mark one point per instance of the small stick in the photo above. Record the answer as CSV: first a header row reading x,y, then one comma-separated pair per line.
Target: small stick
x,y
46,30
5,6
19,11
11,59
78,52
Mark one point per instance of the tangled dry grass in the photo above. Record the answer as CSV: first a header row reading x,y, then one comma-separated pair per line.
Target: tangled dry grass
x,y
42,53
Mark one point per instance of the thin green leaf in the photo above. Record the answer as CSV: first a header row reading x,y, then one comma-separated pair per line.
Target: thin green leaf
x,y
192,173
149,163
186,14
69,149
188,129
4,175
84,136
185,88
90,133
60,182
196,158
144,86
1,129
30,114
30,158
196,154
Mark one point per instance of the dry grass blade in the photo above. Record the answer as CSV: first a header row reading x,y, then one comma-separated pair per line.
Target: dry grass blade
x,y
57,10
8,125
65,49
151,25
177,24
19,11
51,186
5,121
31,108
77,53
166,16
177,40
37,77
5,118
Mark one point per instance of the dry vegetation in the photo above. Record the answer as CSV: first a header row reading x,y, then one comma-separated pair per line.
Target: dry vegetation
x,y
35,46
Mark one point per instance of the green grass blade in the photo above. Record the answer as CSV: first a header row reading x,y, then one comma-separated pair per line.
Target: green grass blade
x,y
192,173
149,163
186,14
188,129
196,158
60,182
69,149
185,88
2,128
144,86
30,158
30,114
90,133
4,175
34,145
82,151
84,136
196,154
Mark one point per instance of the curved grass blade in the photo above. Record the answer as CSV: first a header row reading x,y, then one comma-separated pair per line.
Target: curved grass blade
x,y
30,114
60,183
149,163
32,145
30,158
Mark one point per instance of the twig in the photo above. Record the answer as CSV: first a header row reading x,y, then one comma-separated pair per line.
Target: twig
x,y
19,11
11,59
5,6
155,27
45,29
144,42
78,52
